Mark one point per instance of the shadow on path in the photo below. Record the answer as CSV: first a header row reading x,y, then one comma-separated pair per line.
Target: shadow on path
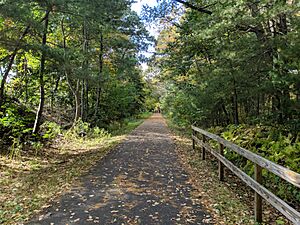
x,y
140,182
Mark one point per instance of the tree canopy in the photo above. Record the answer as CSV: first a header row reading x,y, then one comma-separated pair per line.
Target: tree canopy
x,y
77,59
239,64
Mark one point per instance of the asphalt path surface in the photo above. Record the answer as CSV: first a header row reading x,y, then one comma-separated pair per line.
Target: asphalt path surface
x,y
140,182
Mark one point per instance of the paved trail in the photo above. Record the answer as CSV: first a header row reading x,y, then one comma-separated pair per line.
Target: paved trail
x,y
140,182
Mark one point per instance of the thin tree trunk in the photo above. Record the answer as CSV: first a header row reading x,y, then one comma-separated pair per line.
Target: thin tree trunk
x,y
86,87
41,77
297,88
54,91
235,105
226,114
82,101
258,105
77,102
258,29
278,107
25,68
10,64
100,75
85,67
12,59
75,92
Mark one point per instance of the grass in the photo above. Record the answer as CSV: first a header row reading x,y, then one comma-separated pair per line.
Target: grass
x,y
31,180
131,123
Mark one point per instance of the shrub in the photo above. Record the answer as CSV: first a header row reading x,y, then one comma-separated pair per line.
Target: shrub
x,y
275,144
15,125
50,130
83,129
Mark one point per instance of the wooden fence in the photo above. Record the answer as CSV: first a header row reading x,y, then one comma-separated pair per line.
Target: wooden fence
x,y
255,183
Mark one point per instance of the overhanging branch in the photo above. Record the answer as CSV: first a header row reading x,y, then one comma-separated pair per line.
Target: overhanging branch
x,y
199,9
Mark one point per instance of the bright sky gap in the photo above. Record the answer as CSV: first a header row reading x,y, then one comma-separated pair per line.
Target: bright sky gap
x,y
138,6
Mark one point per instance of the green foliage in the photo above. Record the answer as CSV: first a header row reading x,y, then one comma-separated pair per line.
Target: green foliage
x,y
87,62
144,115
84,130
275,144
232,66
125,98
50,130
236,66
128,124
152,94
280,221
178,105
15,125
15,148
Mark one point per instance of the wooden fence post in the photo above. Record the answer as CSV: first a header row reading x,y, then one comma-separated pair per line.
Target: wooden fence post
x,y
194,134
257,197
203,148
221,166
255,183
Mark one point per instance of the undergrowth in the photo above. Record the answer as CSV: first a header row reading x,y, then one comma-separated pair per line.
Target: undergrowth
x,y
35,176
223,204
279,146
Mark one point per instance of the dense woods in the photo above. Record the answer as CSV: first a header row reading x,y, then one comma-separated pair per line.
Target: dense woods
x,y
70,73
234,69
67,62
71,86
238,65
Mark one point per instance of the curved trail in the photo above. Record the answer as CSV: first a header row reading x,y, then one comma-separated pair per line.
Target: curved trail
x,y
140,182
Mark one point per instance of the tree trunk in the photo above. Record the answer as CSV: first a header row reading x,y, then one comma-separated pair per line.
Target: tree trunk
x,y
77,102
227,118
25,68
279,107
82,103
41,77
235,105
258,105
54,91
100,75
297,92
84,100
75,92
12,59
10,64
84,90
258,29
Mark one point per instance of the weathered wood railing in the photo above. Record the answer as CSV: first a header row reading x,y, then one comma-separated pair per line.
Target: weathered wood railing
x,y
255,183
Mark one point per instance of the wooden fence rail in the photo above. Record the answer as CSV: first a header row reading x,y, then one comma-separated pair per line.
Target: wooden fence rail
x,y
260,163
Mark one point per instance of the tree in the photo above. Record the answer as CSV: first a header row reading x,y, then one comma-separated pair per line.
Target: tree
x,y
238,63
77,54
41,73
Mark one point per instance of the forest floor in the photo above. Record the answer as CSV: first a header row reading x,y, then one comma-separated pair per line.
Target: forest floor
x,y
34,178
230,201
